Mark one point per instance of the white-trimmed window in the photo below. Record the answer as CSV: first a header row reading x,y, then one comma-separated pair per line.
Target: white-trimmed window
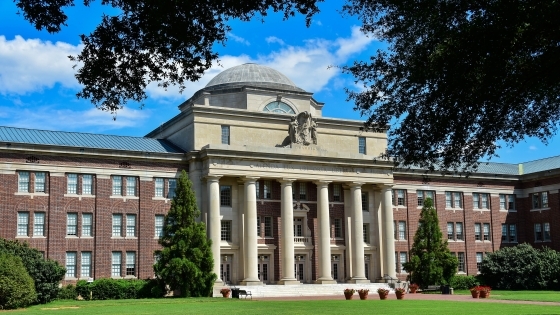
x,y
70,264
159,187
72,224
131,263
480,201
336,192
131,225
507,202
477,232
86,265
267,226
130,186
117,185
509,233
461,258
117,225
258,189
402,259
116,264
400,230
365,197
172,183
398,197
225,195
225,134
425,194
540,200
338,228
459,231
226,230
538,232
302,191
39,224
23,181
267,191
87,184
362,145
486,231
87,224
23,224
479,257
159,225
72,183
546,232
453,199
366,233
455,231
259,226
40,181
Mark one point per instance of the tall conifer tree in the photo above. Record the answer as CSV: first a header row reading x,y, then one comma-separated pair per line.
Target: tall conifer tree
x,y
431,261
185,262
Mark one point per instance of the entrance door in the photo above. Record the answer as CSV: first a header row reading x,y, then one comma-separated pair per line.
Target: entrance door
x,y
298,227
225,270
299,270
263,268
335,265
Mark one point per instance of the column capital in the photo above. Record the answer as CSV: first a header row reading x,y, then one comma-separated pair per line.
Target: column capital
x,y
322,183
355,184
386,187
212,178
285,181
249,179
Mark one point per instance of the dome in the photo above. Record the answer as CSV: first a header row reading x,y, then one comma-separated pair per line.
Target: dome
x,y
253,75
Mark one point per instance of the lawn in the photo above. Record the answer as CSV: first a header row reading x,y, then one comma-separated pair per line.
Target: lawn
x,y
540,296
323,307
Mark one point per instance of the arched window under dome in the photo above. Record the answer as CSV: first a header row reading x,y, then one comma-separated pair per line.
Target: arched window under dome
x,y
279,107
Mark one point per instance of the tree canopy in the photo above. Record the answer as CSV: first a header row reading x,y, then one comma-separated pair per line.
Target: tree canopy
x,y
459,76
185,262
163,41
431,261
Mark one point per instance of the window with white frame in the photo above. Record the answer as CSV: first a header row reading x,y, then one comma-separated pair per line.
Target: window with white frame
x,y
258,189
477,232
131,225
509,233
336,192
225,135
365,206
479,257
267,191
540,200
453,199
86,265
72,224
70,264
538,232
455,231
159,219
259,226
130,186
131,263
172,183
338,228
267,226
302,191
87,224
225,195
366,233
450,231
486,231
39,224
362,145
402,230
159,187
480,201
87,184
398,197
116,264
117,225
423,195
40,181
117,185
23,224
23,181
402,259
461,259
72,183
507,202
546,232
226,230
459,231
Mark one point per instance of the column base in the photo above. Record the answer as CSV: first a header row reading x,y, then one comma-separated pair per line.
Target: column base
x,y
359,280
289,282
325,281
251,283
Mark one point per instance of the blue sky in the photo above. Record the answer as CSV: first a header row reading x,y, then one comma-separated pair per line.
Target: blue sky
x,y
37,84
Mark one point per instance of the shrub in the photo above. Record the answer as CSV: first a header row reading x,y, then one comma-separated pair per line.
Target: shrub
x,y
16,286
463,282
46,273
115,289
67,293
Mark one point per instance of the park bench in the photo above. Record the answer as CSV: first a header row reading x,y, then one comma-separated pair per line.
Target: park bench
x,y
245,293
432,288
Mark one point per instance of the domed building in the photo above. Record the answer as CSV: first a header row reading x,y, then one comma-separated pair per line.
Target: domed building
x,y
289,196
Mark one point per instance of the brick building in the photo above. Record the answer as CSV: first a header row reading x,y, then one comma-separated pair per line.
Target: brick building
x,y
264,164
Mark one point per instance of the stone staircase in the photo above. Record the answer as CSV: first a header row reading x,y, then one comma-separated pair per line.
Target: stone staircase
x,y
272,290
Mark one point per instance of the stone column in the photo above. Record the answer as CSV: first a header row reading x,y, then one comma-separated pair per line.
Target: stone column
x,y
388,233
358,267
240,226
214,221
324,245
251,251
348,231
287,213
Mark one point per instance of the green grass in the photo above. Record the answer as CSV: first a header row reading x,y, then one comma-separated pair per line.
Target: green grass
x,y
322,307
538,296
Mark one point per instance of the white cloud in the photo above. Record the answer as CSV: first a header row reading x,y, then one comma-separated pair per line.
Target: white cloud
x,y
532,147
274,39
31,65
239,39
318,22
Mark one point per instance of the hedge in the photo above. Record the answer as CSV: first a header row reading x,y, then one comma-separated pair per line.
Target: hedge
x,y
16,286
115,289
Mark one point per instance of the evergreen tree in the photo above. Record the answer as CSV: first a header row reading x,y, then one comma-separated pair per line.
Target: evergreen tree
x,y
185,262
431,261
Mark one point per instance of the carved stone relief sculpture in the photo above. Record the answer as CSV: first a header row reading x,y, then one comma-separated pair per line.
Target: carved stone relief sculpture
x,y
303,129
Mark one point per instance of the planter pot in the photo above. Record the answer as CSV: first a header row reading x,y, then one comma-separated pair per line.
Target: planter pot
x,y
382,296
400,296
363,296
348,296
475,294
226,295
412,290
484,294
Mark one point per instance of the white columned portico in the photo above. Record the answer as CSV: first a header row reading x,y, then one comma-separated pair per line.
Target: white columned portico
x,y
323,219
214,221
287,212
388,233
251,250
358,263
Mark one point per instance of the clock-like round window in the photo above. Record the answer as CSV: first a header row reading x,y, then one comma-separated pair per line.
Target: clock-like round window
x,y
279,107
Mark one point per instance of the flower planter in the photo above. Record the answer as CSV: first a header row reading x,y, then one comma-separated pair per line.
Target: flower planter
x,y
399,295
412,289
363,296
475,294
484,294
382,296
226,295
348,296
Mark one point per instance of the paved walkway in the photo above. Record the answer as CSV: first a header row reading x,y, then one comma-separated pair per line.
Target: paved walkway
x,y
431,297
